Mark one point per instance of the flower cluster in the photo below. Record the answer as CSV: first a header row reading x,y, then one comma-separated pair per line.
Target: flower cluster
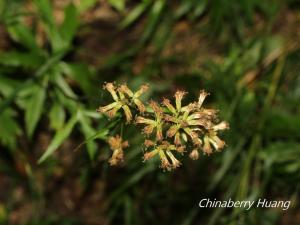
x,y
171,129
124,98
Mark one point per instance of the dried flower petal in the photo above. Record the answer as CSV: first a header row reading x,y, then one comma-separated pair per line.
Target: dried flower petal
x,y
173,130
149,155
117,145
202,97
169,106
180,149
140,105
141,91
177,140
207,148
124,88
221,126
165,164
148,129
178,98
111,89
216,142
194,155
175,163
156,109
149,143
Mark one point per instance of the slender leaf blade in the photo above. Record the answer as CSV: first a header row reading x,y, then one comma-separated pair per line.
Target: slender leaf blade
x,y
34,109
59,137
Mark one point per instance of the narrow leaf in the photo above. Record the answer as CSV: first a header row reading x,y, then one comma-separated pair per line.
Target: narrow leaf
x,y
34,109
9,128
135,14
88,131
57,116
59,137
70,24
23,35
117,4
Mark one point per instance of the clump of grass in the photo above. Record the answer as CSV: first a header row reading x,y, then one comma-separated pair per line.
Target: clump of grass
x,y
170,129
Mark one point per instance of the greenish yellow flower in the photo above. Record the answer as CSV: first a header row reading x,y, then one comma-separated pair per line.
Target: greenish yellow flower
x,y
165,152
153,123
181,121
123,98
119,102
134,96
211,138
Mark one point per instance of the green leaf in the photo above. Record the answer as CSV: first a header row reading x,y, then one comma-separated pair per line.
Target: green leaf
x,y
45,12
70,24
281,124
7,85
63,86
153,20
69,104
9,128
57,116
23,35
27,60
117,4
88,131
82,75
200,8
59,137
135,14
34,109
85,5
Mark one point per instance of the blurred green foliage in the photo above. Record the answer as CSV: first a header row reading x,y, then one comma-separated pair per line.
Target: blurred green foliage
x,y
251,68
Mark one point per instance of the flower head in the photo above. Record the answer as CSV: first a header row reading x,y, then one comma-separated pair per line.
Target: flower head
x,y
134,96
165,152
123,98
155,123
181,121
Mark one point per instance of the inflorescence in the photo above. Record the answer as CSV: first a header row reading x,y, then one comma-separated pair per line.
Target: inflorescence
x,y
170,129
